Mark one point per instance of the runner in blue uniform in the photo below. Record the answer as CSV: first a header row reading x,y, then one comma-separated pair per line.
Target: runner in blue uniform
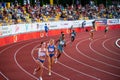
x,y
73,35
51,52
62,35
61,44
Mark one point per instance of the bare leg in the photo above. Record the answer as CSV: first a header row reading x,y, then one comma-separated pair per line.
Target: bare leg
x,y
41,71
59,54
49,65
36,69
52,61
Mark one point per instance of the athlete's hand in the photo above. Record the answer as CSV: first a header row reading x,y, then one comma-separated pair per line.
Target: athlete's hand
x,y
36,61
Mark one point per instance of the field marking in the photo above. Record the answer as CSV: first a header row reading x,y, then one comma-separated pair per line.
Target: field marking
x,y
25,70
90,45
80,63
109,49
11,46
94,58
90,65
95,67
117,43
4,75
45,67
15,59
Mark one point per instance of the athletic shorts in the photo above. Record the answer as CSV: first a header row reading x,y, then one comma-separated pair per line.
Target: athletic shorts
x,y
60,48
51,55
42,61
106,31
72,38
46,31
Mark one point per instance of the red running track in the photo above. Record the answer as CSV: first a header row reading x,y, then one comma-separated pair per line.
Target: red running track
x,y
82,60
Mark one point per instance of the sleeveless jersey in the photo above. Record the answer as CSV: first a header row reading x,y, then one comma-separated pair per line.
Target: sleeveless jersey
x,y
51,48
41,52
62,42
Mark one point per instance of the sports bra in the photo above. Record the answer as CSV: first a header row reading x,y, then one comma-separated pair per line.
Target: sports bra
x,y
62,42
72,34
51,48
41,52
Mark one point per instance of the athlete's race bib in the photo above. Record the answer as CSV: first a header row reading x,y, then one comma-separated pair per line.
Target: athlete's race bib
x,y
61,42
41,54
72,35
51,49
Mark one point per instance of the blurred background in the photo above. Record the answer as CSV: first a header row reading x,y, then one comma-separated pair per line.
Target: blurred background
x,y
64,2
22,11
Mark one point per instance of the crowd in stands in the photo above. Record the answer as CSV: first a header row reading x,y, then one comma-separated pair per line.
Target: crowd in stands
x,y
20,14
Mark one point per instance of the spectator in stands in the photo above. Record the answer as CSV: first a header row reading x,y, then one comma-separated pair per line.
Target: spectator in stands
x,y
27,13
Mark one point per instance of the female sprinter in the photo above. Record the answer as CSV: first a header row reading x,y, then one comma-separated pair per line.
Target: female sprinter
x,y
91,34
61,44
106,30
73,35
62,35
40,60
51,52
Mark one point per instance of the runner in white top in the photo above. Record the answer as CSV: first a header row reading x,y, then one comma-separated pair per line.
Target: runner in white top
x,y
40,60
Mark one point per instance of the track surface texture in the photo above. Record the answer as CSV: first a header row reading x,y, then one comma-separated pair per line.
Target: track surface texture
x,y
83,59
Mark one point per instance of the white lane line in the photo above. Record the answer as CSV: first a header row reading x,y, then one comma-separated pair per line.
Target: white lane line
x,y
94,58
74,69
90,45
8,48
79,71
15,59
78,62
117,43
90,65
109,49
59,74
47,68
24,69
93,66
4,75
11,46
